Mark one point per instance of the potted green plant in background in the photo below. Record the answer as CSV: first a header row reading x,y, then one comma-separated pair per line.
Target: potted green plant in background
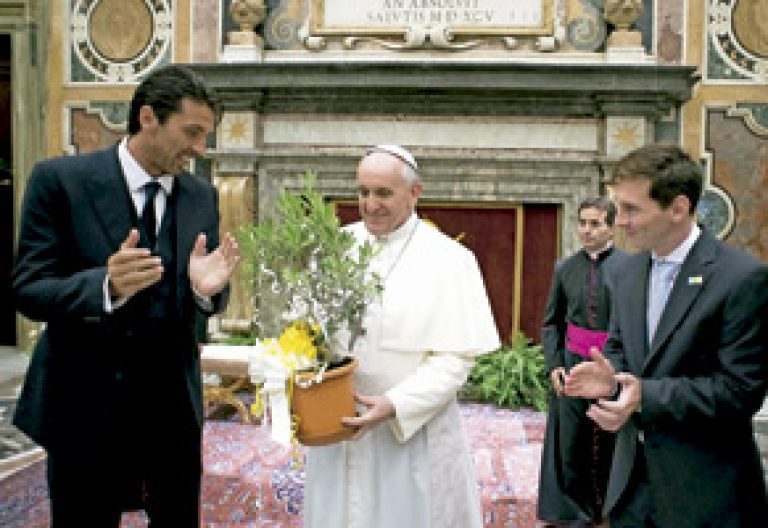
x,y
312,285
513,376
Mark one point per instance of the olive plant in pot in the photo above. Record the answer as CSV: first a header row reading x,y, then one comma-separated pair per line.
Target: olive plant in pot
x,y
311,284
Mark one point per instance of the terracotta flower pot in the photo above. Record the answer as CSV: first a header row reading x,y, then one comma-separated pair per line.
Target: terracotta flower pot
x,y
320,406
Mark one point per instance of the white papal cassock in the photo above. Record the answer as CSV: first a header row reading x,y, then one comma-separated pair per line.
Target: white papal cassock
x,y
414,471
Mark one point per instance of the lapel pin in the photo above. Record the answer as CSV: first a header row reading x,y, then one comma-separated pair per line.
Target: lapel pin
x,y
696,280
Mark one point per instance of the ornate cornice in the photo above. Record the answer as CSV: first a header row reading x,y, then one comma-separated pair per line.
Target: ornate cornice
x,y
451,88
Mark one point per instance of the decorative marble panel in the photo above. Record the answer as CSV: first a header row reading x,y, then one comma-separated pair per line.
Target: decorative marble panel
x,y
667,128
118,41
737,49
206,30
575,135
739,167
94,125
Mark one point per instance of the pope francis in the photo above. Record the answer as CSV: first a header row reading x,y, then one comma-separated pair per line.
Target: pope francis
x,y
408,465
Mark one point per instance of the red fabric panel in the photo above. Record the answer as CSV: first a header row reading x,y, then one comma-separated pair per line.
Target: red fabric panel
x,y
539,256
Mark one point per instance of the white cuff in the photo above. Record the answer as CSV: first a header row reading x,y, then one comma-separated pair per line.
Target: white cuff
x,y
204,302
110,305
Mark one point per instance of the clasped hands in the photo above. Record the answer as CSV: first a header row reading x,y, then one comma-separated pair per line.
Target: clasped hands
x,y
598,380
132,269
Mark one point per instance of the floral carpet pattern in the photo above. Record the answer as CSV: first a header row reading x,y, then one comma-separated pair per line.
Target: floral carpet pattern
x,y
250,481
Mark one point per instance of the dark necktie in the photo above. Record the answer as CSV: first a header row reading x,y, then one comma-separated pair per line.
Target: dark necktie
x,y
148,219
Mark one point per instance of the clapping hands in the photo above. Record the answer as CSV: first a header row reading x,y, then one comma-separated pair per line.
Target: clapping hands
x,y
209,273
597,379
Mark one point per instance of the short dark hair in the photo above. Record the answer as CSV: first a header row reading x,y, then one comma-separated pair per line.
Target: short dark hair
x,y
164,89
671,170
601,203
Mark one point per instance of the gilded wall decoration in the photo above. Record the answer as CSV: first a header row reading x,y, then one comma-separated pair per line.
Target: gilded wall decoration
x,y
738,41
750,25
236,130
623,134
236,202
739,167
118,41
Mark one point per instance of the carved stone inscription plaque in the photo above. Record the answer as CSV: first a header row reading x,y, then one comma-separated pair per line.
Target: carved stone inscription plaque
x,y
489,17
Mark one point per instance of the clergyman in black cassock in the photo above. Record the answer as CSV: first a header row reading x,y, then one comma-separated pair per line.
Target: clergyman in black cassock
x,y
577,455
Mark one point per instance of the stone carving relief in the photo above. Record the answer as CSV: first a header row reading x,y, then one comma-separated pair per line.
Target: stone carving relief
x,y
118,41
738,40
247,14
623,13
281,29
456,25
448,25
586,30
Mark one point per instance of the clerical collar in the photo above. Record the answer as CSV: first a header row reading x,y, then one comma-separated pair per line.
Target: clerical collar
x,y
679,254
135,175
401,233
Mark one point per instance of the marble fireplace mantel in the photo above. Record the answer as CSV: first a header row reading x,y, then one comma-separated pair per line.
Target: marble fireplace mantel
x,y
451,88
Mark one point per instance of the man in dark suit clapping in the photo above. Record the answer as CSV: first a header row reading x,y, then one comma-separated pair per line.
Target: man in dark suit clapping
x,y
686,360
119,255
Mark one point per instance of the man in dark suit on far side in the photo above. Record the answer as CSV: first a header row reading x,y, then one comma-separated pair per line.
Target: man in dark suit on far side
x,y
686,360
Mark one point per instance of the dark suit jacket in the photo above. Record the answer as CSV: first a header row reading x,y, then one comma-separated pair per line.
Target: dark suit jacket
x,y
703,378
76,213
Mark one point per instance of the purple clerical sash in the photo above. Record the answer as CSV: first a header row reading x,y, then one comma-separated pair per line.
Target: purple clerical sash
x,y
581,340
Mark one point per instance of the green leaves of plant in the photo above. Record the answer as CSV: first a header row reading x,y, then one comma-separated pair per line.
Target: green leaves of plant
x,y
513,376
305,266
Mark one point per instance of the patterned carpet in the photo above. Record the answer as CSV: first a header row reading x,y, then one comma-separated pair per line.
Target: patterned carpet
x,y
249,481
